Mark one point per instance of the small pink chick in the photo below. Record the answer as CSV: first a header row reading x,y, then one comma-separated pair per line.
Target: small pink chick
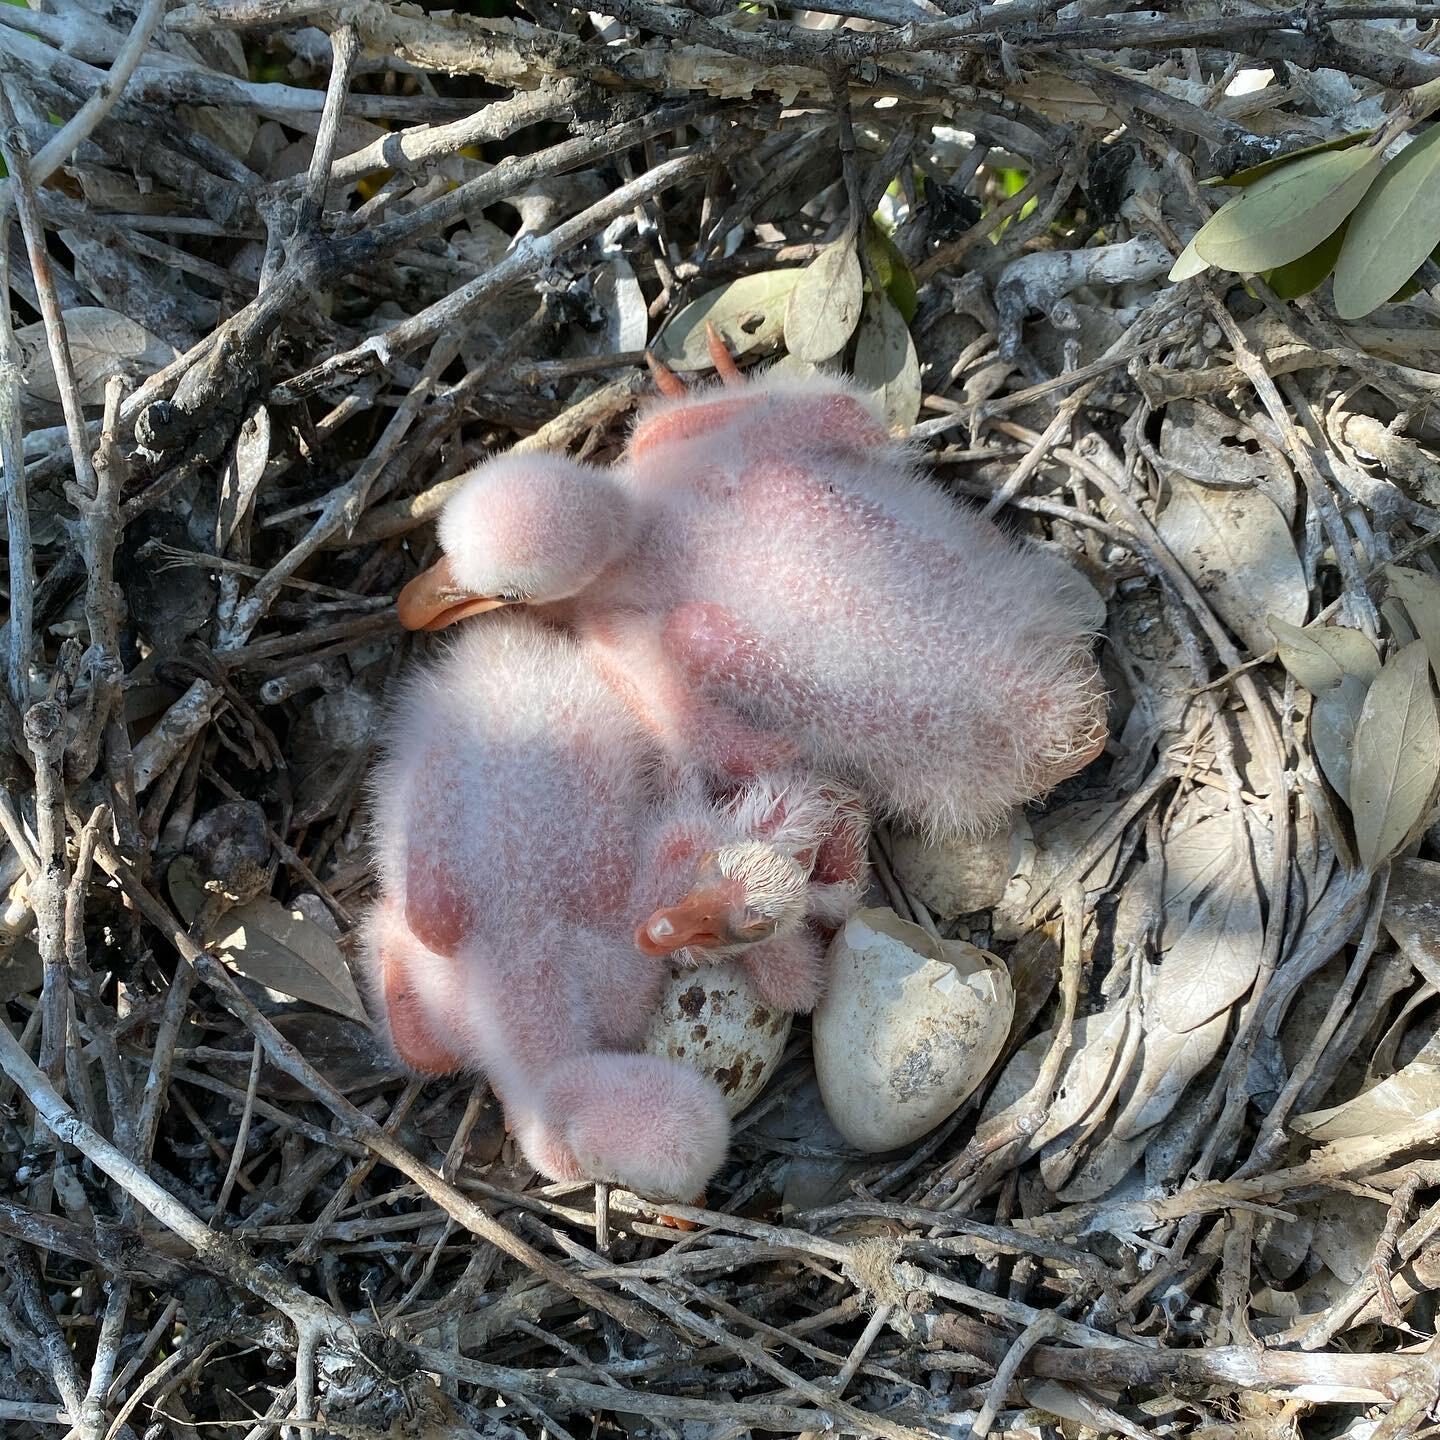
x,y
521,838
768,577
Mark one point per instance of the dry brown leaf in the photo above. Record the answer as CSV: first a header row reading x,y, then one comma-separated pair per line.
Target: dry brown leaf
x,y
102,343
1169,1061
1215,961
1237,548
1412,914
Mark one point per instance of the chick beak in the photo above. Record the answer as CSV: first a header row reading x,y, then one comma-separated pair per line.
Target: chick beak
x,y
704,920
434,599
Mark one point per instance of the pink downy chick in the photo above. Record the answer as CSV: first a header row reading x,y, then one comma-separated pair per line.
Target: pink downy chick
x,y
766,576
771,872
520,839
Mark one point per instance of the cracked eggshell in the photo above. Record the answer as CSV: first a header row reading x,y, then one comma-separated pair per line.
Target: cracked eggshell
x,y
908,1029
713,1019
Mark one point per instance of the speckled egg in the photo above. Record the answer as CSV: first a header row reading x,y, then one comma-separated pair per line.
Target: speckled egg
x,y
713,1019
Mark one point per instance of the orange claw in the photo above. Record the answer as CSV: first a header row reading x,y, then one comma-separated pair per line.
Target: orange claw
x,y
667,382
674,1222
721,358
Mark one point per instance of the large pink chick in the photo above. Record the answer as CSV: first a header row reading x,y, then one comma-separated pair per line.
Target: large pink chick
x,y
519,839
768,573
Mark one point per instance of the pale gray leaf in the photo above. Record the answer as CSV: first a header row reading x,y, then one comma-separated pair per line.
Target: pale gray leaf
x,y
102,343
1395,760
1216,960
1237,548
285,951
886,364
1333,719
749,313
824,306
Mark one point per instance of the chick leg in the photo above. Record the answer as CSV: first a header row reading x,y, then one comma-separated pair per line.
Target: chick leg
x,y
404,981
657,1127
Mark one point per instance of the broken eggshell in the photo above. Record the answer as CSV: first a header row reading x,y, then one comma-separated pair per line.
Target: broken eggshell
x,y
908,1029
712,1019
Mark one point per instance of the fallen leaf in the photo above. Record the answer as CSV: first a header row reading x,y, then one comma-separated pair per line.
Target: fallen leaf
x,y
886,364
1392,1103
1200,857
824,305
1395,760
1412,914
102,343
241,473
1213,449
1395,226
1085,1073
272,945
1216,960
1420,595
1104,1165
1320,656
749,313
1237,548
1169,1061
1333,719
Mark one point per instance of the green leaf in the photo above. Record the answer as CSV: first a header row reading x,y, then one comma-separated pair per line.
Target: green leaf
x,y
1394,227
1189,262
1301,276
886,363
1252,173
895,275
748,312
1395,760
1289,213
824,306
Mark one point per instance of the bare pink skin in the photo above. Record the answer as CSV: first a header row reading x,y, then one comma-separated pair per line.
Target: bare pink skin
x,y
522,830
769,580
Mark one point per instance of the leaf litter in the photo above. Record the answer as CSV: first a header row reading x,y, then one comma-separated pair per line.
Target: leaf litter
x,y
1199,1180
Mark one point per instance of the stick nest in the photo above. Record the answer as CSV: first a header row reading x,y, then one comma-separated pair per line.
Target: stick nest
x,y
273,274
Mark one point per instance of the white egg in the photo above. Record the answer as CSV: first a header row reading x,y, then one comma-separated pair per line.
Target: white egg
x,y
908,1029
713,1019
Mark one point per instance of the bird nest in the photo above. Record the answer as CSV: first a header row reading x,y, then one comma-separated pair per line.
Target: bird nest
x,y
275,272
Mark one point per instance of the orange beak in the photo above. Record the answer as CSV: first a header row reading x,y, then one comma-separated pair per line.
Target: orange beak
x,y
434,599
703,920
